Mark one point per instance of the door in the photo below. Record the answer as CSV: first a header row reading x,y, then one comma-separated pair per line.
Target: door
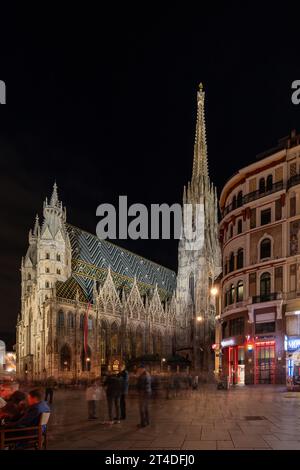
x,y
265,363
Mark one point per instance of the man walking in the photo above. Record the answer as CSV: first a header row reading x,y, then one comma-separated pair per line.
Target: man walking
x,y
50,385
92,396
144,390
113,394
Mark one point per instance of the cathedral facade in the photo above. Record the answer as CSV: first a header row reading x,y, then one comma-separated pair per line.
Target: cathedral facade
x,y
86,301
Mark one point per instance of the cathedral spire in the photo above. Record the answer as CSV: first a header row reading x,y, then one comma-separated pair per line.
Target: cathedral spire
x,y
54,198
200,166
36,226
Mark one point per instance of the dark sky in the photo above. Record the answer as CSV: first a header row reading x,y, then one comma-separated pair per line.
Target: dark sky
x,y
104,101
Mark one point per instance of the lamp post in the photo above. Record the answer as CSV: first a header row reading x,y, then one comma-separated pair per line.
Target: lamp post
x,y
88,365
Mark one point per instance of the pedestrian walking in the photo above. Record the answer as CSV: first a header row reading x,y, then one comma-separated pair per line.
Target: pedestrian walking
x,y
93,396
50,386
124,377
144,390
113,395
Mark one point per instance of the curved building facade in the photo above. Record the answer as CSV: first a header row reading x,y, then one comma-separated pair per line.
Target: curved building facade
x,y
260,236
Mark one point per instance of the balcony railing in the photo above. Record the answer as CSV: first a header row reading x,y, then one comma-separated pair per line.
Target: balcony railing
x,y
293,181
256,299
255,195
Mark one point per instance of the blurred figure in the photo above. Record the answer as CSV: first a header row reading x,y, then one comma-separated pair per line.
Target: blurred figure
x,y
92,395
144,390
32,414
50,386
113,395
15,407
195,382
124,377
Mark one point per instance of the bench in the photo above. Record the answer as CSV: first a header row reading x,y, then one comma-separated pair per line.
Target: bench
x,y
33,437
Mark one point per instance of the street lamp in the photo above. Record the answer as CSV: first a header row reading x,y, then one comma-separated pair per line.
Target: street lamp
x,y
199,318
214,291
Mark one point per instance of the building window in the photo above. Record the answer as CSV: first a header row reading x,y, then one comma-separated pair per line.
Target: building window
x,y
47,255
231,263
58,271
231,295
29,277
237,326
265,217
269,182
90,323
240,258
240,199
231,231
292,206
70,320
252,218
81,322
278,209
234,202
265,248
65,358
57,257
47,270
240,226
60,320
268,327
240,291
47,285
265,284
262,186
192,286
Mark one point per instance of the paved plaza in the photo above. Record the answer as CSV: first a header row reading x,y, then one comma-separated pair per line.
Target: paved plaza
x,y
253,417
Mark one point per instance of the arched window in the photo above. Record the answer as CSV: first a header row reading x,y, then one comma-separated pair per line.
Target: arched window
x,y
47,270
240,291
231,295
234,202
265,248
240,226
65,358
192,287
86,359
240,199
265,284
58,257
47,255
70,320
47,285
269,182
240,258
226,298
81,322
231,262
114,339
29,277
60,320
58,271
262,186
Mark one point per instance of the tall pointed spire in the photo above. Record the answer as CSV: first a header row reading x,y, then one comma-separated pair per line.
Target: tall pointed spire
x,y
36,226
54,198
200,166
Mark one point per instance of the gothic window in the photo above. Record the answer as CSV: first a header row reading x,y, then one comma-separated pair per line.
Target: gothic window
x,y
262,186
240,199
58,271
29,277
70,320
231,262
65,358
47,285
81,321
265,284
240,291
240,258
240,226
265,248
234,202
47,255
192,287
231,294
90,323
60,320
269,182
57,257
47,270
28,288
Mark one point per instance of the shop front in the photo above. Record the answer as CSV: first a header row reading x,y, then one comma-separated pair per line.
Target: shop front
x,y
292,349
265,362
233,360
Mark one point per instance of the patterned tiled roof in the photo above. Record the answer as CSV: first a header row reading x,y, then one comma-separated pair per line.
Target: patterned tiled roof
x,y
91,258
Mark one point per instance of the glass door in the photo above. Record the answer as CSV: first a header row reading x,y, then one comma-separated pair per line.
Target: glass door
x,y
265,363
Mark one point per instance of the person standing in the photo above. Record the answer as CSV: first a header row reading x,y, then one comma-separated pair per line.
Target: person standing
x,y
92,396
113,395
50,385
124,377
144,390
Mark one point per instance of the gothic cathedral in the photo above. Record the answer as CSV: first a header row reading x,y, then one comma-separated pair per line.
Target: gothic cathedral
x,y
132,307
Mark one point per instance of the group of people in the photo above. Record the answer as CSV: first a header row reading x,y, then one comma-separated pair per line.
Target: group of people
x,y
22,410
115,388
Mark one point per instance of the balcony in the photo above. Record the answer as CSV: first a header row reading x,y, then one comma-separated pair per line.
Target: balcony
x,y
256,195
256,299
293,181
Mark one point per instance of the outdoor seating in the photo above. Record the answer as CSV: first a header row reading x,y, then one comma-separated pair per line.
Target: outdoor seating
x,y
33,437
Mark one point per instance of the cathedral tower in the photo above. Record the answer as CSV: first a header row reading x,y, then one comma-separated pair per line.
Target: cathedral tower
x,y
199,260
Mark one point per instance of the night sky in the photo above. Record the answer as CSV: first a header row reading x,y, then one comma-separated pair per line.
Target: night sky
x,y
104,102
